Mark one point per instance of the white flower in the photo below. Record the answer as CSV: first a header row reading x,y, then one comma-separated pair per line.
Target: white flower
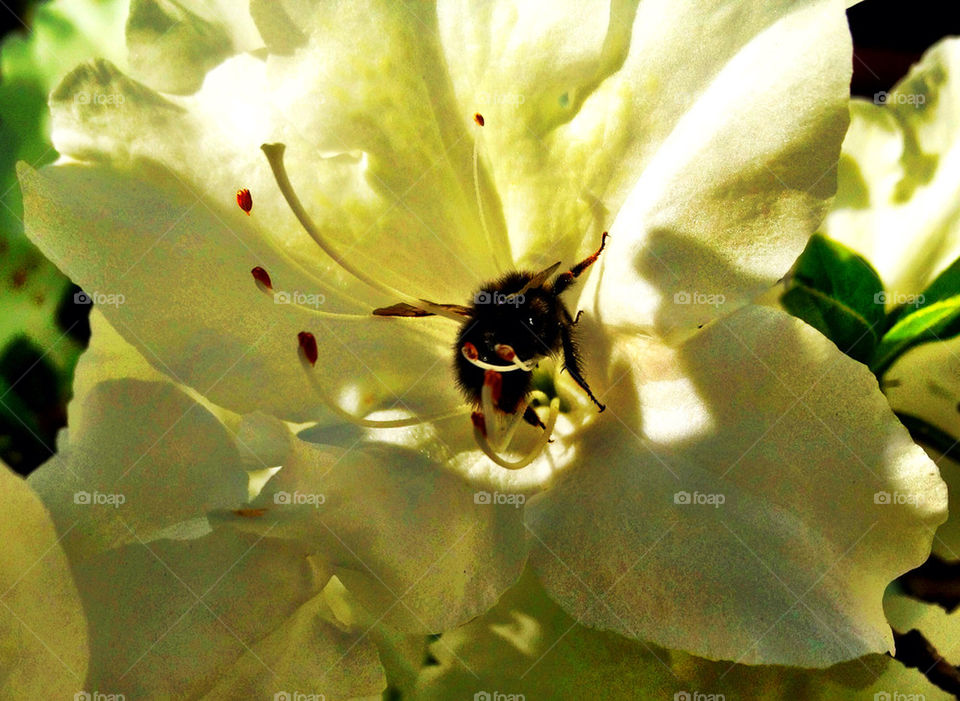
x,y
726,501
166,605
898,203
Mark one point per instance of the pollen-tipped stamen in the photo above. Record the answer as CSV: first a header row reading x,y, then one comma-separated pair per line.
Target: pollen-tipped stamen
x,y
308,357
262,278
489,400
265,284
484,442
274,153
469,351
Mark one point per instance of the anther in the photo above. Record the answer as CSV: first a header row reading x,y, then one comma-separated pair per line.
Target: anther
x,y
479,424
263,279
478,118
308,346
506,352
494,380
469,351
245,200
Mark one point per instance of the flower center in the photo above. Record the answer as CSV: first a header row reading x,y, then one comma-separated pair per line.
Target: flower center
x,y
492,434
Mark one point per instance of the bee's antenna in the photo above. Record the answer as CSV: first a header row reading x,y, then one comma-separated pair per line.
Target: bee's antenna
x,y
478,119
274,153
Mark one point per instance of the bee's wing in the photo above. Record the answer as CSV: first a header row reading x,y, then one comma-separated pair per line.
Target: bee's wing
x,y
540,278
404,309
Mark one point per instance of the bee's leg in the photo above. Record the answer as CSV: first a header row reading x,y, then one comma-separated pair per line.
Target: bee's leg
x,y
566,279
571,363
530,416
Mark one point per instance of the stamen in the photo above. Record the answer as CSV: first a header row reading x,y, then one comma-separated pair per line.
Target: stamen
x,y
484,443
493,379
506,352
478,118
308,354
274,153
479,424
308,347
245,200
473,357
263,279
489,395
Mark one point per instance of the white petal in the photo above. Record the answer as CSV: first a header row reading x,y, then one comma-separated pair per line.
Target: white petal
x,y
899,191
173,44
412,540
186,299
715,124
43,630
785,557
173,616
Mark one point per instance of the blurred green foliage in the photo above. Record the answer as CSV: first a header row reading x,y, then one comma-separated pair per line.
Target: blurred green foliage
x,y
42,331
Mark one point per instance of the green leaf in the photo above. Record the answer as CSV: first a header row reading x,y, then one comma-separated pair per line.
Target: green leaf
x,y
838,292
937,321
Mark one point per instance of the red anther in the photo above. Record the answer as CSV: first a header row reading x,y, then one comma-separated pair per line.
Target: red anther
x,y
261,276
470,351
245,200
479,422
308,346
478,118
493,380
506,352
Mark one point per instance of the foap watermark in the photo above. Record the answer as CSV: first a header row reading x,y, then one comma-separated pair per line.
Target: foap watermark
x,y
684,297
497,696
898,299
297,696
514,500
699,499
299,498
897,498
897,696
697,696
488,297
301,299
887,98
97,696
101,299
103,99
96,498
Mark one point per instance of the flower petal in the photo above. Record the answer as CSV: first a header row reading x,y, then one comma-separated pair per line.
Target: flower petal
x,y
750,497
172,45
528,645
899,191
312,653
182,294
43,633
173,616
140,455
724,156
413,542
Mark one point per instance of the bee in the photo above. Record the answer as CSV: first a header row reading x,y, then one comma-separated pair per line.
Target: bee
x,y
513,323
